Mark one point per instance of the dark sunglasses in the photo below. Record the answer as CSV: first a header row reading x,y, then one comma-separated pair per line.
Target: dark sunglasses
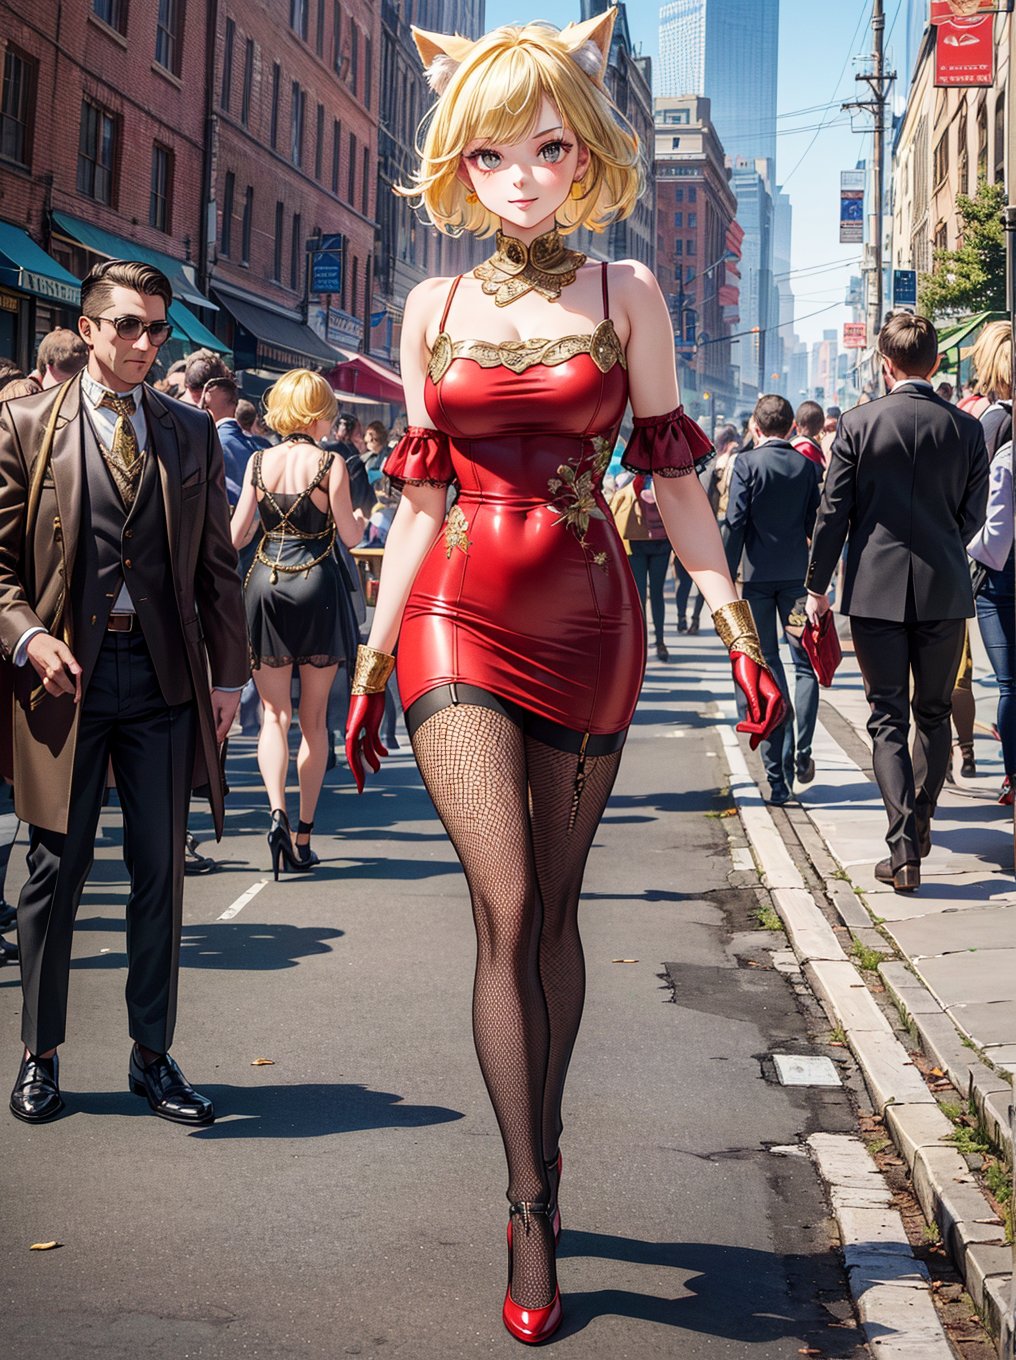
x,y
132,328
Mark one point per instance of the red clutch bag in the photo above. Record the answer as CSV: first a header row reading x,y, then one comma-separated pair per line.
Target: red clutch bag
x,y
822,643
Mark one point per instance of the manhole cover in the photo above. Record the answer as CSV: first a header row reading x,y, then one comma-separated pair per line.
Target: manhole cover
x,y
796,1069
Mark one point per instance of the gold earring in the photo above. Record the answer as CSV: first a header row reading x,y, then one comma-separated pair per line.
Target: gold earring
x,y
471,197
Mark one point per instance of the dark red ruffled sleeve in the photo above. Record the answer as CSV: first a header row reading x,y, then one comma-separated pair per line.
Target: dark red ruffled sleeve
x,y
667,446
420,458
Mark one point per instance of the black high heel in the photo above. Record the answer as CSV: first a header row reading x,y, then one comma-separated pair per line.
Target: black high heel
x,y
280,843
304,853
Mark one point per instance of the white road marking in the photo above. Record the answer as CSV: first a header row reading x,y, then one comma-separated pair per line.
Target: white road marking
x,y
242,901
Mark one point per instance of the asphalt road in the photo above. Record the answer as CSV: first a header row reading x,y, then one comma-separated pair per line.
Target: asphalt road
x,y
350,1198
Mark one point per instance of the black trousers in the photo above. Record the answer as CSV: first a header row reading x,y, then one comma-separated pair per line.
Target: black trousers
x,y
888,654
124,718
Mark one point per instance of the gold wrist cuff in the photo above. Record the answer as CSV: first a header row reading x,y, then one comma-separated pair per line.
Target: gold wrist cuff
x,y
735,627
372,670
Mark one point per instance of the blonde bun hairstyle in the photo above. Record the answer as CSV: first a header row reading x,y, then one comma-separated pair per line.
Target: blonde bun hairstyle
x,y
297,400
494,93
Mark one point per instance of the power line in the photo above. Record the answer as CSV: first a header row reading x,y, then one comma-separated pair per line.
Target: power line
x,y
839,81
765,330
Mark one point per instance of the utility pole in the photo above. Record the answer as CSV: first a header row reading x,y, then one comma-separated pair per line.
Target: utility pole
x,y
880,82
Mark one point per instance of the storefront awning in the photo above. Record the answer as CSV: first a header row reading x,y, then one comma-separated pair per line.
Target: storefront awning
x,y
26,266
365,377
188,328
269,339
121,248
954,337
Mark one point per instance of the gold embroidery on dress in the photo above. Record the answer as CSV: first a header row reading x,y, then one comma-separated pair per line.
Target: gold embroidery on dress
x,y
602,345
574,498
456,532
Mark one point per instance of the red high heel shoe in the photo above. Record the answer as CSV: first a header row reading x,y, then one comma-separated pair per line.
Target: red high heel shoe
x,y
555,1189
531,1325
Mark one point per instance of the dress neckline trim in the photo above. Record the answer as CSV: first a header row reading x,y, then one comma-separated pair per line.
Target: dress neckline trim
x,y
601,344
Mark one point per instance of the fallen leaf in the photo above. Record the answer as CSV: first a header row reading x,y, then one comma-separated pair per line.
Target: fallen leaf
x,y
935,1072
44,1246
263,1062
624,960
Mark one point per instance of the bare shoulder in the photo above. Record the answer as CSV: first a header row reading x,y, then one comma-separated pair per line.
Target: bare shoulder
x,y
633,281
425,295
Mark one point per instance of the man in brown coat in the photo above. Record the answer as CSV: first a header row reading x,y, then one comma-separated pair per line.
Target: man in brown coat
x,y
122,624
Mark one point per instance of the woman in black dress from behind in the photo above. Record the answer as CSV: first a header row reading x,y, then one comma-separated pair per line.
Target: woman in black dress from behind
x,y
292,593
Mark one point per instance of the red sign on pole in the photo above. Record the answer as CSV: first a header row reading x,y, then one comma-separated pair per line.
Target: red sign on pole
x,y
965,53
942,11
855,335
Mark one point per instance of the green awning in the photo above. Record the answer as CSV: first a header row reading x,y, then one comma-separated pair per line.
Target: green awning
x,y
270,339
26,266
955,336
186,326
121,248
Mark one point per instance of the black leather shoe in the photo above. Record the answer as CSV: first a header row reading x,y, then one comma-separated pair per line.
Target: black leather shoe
x,y
36,1095
779,795
805,771
904,878
923,835
8,952
168,1092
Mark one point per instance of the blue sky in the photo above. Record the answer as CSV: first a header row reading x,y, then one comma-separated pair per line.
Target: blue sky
x,y
817,42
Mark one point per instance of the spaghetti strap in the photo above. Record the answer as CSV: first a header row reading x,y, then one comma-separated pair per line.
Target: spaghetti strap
x,y
448,304
256,479
606,296
327,459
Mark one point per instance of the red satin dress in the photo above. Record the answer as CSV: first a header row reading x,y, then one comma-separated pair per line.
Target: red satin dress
x,y
527,594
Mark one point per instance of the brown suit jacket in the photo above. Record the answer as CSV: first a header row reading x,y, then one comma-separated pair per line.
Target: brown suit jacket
x,y
36,571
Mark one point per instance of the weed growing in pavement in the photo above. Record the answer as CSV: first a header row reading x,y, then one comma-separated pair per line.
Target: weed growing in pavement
x,y
951,1110
970,1142
867,959
768,918
967,1042
838,1036
931,1233
879,1145
841,874
999,1182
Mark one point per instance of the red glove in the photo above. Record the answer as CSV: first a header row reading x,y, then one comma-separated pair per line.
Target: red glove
x,y
363,735
766,705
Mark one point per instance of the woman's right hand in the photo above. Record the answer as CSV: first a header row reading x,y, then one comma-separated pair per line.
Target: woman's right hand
x,y
363,735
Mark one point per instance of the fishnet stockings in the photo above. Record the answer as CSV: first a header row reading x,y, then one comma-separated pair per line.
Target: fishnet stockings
x,y
506,802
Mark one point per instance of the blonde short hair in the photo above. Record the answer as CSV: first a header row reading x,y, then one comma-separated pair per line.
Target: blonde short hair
x,y
496,94
992,359
297,400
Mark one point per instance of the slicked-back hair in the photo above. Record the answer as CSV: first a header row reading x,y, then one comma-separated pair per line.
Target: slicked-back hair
x,y
774,416
909,342
810,418
98,284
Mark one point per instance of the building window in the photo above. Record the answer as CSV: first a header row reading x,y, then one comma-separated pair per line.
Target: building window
x,y
368,71
678,247
226,235
319,149
351,170
167,35
675,143
356,286
941,237
354,57
692,194
299,104
336,154
18,101
690,247
227,65
280,209
365,182
245,225
999,140
295,255
678,195
319,45
273,133
96,152
693,219
112,12
336,38
159,199
982,142
298,17
679,219
248,82
942,158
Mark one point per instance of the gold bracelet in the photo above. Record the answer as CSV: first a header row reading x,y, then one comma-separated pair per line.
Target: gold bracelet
x,y
372,670
735,627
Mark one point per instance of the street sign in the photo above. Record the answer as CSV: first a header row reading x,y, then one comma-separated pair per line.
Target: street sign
x,y
904,287
326,264
855,335
965,53
851,207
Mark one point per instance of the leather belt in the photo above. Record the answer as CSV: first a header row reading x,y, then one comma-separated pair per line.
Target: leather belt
x,y
120,623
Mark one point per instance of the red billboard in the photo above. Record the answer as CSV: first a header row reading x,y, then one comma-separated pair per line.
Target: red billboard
x,y
855,335
965,52
942,11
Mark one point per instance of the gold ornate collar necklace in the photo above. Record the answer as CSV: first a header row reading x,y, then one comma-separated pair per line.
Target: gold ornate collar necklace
x,y
545,266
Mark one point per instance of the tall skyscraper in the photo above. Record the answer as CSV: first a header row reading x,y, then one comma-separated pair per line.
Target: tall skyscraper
x,y
728,51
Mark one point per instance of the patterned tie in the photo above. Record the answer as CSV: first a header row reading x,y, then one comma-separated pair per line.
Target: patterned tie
x,y
125,442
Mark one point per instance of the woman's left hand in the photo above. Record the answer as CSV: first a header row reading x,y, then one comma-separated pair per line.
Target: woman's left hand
x,y
766,706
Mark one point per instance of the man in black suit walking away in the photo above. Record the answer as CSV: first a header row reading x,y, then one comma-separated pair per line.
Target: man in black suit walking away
x,y
908,479
774,495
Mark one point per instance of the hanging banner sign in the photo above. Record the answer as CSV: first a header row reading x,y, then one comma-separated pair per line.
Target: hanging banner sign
x,y
965,53
851,207
944,11
904,287
855,335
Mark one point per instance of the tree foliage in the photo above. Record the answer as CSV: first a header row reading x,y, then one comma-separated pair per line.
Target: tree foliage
x,y
972,277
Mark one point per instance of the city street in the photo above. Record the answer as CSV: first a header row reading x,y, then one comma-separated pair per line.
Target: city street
x,y
349,1199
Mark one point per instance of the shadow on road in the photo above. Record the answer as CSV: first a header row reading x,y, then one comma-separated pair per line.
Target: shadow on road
x,y
259,946
734,1292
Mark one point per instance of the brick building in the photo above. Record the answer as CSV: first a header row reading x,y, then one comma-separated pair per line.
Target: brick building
x,y
101,146
697,247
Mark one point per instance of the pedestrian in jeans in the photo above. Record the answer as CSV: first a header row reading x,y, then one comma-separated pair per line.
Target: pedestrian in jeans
x,y
640,524
996,605
908,480
774,495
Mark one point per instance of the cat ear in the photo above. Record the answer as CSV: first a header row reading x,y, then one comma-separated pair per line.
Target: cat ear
x,y
442,54
589,42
